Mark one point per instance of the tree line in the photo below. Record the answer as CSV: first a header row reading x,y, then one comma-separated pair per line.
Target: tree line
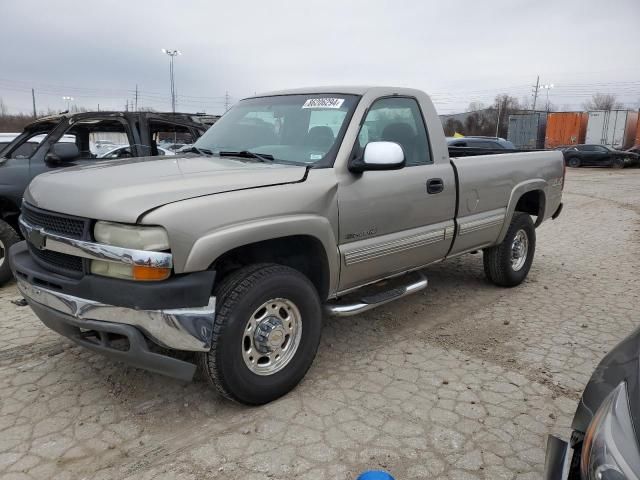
x,y
493,120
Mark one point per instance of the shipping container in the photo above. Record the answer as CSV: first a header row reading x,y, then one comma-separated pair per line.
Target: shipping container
x,y
565,128
527,130
615,128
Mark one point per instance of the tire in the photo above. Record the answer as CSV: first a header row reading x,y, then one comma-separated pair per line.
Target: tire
x,y
574,162
233,363
617,163
499,266
8,237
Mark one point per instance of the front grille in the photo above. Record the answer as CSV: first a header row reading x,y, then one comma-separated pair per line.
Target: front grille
x,y
64,225
73,227
57,260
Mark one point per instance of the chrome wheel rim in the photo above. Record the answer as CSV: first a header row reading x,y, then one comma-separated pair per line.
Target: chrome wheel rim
x,y
519,250
2,253
271,336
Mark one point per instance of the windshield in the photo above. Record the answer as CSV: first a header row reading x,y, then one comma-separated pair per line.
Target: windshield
x,y
301,129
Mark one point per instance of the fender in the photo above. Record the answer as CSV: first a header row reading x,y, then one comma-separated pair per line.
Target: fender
x,y
518,191
212,245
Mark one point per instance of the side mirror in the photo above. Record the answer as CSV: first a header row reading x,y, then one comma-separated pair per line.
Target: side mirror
x,y
63,152
379,156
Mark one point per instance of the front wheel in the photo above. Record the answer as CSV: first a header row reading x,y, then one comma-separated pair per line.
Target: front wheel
x,y
508,263
8,237
266,333
574,162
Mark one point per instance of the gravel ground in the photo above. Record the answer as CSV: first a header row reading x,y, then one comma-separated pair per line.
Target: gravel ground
x,y
461,381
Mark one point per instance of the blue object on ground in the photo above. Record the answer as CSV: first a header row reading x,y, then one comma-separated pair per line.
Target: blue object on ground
x,y
375,475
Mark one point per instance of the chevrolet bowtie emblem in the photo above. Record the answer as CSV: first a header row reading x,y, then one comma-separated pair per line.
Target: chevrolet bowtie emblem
x,y
37,239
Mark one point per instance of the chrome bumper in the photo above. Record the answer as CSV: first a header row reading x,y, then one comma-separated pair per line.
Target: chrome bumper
x,y
181,329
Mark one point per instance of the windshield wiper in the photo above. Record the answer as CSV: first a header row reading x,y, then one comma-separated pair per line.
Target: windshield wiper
x,y
199,150
263,157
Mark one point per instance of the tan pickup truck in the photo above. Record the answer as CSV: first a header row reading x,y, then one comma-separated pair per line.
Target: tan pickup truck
x,y
294,205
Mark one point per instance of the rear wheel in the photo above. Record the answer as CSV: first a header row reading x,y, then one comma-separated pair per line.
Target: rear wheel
x,y
8,237
617,163
266,333
508,263
574,162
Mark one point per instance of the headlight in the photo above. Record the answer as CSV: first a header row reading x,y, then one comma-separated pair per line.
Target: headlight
x,y
609,449
134,237
131,236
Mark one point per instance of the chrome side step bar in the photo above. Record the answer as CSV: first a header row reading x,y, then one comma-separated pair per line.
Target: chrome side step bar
x,y
373,301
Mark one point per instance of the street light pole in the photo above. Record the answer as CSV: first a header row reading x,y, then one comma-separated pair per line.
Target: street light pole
x,y
547,87
68,100
172,54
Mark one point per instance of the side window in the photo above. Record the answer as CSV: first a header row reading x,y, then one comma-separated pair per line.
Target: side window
x,y
397,119
169,136
28,146
97,137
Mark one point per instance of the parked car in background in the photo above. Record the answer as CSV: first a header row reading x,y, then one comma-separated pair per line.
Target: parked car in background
x,y
295,203
46,144
492,143
598,156
606,426
6,139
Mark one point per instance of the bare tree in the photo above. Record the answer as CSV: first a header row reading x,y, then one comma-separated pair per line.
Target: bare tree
x,y
453,126
504,106
603,101
476,107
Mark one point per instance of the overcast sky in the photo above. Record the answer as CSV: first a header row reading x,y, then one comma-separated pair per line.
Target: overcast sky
x,y
459,51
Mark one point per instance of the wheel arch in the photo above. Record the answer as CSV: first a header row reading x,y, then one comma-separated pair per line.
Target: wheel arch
x,y
528,197
304,253
304,242
9,212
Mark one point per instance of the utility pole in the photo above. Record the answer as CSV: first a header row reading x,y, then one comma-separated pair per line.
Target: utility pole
x,y
136,108
498,122
226,101
126,105
33,97
536,88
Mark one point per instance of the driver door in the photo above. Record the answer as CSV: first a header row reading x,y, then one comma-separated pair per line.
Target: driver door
x,y
388,221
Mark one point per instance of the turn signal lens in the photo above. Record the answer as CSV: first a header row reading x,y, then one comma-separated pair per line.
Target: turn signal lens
x,y
144,273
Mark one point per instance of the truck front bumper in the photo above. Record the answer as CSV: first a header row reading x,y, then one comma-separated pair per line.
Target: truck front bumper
x,y
95,324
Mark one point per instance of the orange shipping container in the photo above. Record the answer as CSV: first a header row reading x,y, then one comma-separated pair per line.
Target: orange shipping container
x,y
565,128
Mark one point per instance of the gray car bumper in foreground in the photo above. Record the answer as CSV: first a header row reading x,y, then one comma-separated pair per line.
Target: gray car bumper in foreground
x,y
558,459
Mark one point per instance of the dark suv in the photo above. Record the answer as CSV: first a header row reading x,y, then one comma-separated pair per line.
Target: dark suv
x,y
74,139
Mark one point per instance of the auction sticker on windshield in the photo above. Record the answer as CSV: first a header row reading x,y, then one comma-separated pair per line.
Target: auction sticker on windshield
x,y
323,103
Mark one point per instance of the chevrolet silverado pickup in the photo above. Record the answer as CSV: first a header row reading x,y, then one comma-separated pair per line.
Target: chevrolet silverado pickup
x,y
295,204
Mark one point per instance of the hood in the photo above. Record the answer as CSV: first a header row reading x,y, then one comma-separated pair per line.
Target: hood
x,y
123,190
621,364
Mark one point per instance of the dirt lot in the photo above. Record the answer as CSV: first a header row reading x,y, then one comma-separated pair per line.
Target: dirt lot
x,y
462,381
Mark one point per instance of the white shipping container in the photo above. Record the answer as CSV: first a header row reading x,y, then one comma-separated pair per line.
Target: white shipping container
x,y
614,128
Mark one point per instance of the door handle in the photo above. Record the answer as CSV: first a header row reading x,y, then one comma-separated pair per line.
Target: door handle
x,y
435,185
